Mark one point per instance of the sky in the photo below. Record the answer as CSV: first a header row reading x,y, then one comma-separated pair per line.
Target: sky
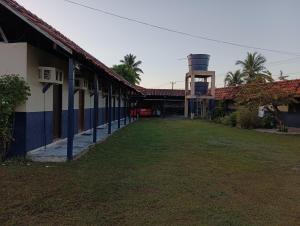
x,y
260,23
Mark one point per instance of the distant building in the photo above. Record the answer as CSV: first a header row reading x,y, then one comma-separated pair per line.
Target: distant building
x,y
290,114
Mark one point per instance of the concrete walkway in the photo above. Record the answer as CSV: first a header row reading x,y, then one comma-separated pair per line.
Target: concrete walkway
x,y
57,152
291,131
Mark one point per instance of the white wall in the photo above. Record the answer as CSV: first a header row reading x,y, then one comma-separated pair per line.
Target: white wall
x,y
38,57
13,60
24,59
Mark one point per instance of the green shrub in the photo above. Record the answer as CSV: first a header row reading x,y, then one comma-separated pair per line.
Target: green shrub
x,y
13,91
268,122
230,120
219,111
247,118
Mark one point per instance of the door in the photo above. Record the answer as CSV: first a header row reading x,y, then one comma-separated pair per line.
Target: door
x,y
81,111
57,111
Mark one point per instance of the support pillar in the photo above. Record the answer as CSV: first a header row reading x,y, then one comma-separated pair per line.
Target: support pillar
x,y
125,110
193,95
164,107
70,110
186,101
192,85
109,108
96,108
119,109
192,104
129,110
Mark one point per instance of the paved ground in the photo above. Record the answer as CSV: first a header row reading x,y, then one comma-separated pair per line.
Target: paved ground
x,y
57,152
291,131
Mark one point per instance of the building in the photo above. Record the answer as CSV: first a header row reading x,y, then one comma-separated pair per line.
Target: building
x,y
290,114
162,102
71,91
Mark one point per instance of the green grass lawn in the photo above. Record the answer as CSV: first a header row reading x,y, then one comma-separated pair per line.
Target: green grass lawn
x,y
162,172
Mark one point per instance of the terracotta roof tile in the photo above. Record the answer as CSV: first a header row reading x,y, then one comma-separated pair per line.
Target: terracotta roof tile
x,y
21,11
229,93
162,92
226,93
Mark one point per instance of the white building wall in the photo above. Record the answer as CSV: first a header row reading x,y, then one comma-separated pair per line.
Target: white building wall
x,y
101,100
39,101
24,60
13,60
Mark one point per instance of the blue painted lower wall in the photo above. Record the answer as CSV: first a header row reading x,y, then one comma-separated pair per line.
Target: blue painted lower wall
x,y
35,129
291,119
18,147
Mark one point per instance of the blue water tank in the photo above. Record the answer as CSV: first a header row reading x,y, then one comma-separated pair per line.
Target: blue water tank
x,y
201,88
199,62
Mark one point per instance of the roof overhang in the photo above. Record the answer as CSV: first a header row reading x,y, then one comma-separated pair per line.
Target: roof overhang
x,y
36,27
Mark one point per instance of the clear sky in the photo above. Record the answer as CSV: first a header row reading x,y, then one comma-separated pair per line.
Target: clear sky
x,y
272,24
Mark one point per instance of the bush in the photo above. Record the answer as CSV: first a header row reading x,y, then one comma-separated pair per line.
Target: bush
x,y
283,129
13,91
268,122
219,111
230,120
247,118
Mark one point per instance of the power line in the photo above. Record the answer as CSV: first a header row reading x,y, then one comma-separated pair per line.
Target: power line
x,y
280,62
164,84
275,63
181,32
293,74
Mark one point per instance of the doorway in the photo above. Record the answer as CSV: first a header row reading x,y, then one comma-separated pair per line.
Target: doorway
x,y
81,111
57,111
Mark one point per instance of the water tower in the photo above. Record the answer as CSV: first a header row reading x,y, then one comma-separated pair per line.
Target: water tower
x,y
199,87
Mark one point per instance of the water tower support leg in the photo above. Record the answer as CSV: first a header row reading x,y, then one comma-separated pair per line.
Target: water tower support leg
x,y
186,101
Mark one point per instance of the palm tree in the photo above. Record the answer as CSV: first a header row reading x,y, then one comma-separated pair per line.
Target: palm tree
x,y
234,78
130,61
254,68
126,72
129,69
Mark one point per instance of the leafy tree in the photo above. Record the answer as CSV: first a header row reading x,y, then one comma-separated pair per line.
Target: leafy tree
x,y
13,91
254,68
126,72
234,78
282,77
258,93
129,69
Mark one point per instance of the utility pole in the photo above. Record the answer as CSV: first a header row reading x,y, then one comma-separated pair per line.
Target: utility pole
x,y
173,83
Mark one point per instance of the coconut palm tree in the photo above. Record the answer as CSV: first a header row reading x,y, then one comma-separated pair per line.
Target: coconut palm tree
x,y
234,78
126,72
254,68
130,61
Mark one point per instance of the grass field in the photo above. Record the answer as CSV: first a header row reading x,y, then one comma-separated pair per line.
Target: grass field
x,y
162,172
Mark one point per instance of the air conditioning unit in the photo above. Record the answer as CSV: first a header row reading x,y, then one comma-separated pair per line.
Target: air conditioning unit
x,y
81,84
51,75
